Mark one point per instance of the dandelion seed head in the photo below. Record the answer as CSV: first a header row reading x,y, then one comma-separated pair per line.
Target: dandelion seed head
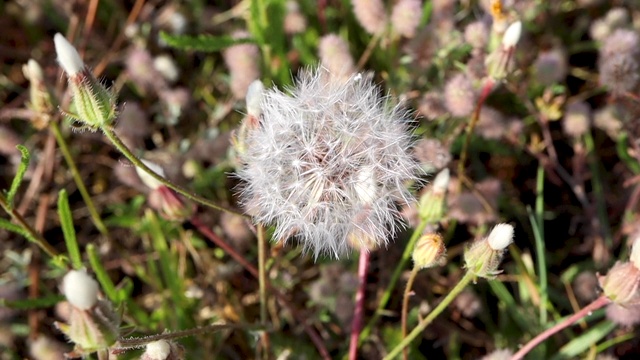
x,y
328,162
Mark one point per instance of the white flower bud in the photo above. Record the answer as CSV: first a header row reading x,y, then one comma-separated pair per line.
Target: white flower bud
x,y
441,182
501,236
68,56
33,71
158,350
80,289
255,93
512,35
147,179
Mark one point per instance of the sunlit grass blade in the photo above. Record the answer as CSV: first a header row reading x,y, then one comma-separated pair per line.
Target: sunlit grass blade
x,y
66,221
17,180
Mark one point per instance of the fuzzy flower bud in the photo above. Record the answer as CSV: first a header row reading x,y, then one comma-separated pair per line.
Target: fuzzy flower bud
x,y
92,325
94,104
327,164
483,257
243,63
371,15
335,56
621,283
431,207
169,204
405,17
80,289
429,251
460,96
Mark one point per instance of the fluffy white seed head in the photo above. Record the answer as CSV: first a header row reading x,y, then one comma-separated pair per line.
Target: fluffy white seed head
x,y
501,236
147,179
158,350
512,35
328,162
80,289
68,56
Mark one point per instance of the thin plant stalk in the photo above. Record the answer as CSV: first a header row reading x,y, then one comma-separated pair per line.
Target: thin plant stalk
x,y
358,315
405,307
486,90
394,278
315,338
117,142
432,315
30,232
586,311
262,283
95,216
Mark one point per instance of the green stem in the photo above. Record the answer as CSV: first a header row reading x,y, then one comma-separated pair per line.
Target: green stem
x,y
33,235
408,250
432,315
538,229
598,190
262,275
95,216
115,140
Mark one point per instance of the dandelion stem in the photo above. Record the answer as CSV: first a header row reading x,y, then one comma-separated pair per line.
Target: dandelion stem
x,y
432,315
262,283
356,323
587,310
115,140
405,307
95,216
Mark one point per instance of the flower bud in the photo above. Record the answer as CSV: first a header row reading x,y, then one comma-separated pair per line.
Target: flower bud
x,y
620,285
94,104
80,289
512,35
635,253
169,204
163,350
40,99
483,257
151,182
431,206
429,251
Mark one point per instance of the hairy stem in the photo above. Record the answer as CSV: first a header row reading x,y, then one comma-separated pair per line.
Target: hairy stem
x,y
115,140
587,310
30,233
432,315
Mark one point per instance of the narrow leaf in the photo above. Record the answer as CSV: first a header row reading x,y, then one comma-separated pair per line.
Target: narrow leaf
x,y
17,180
205,43
103,278
66,220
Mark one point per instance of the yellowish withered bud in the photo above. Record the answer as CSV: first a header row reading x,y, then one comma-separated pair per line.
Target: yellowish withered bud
x,y
429,251
40,99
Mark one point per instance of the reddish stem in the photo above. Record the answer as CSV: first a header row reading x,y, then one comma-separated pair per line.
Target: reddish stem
x,y
358,315
587,310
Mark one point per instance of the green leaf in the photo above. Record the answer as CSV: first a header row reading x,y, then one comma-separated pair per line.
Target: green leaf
x,y
103,278
66,221
205,43
583,342
17,180
7,225
27,304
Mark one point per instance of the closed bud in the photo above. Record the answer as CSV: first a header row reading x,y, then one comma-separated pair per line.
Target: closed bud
x,y
620,285
94,105
431,207
40,100
163,350
429,251
512,35
169,204
483,257
80,289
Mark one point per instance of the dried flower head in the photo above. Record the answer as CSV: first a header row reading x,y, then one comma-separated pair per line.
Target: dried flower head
x,y
550,66
243,63
460,95
327,163
429,251
476,34
577,119
371,14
